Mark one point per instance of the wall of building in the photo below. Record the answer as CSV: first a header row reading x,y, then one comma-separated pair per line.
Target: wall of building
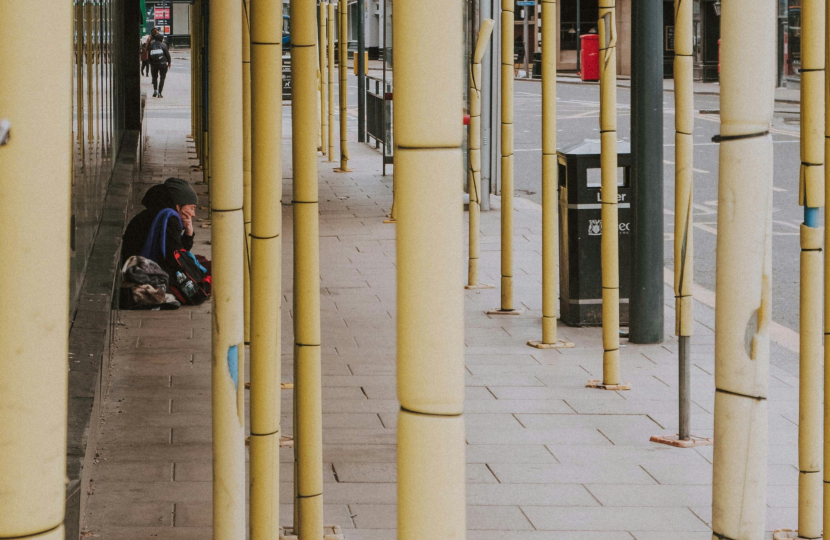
x,y
567,58
105,105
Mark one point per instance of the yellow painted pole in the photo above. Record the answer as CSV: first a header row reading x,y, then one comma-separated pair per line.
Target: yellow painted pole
x,y
474,170
684,126
34,331
194,69
324,78
811,196
79,76
744,269
826,473
246,162
107,75
430,367
90,108
550,187
99,72
228,373
330,25
507,83
608,195
195,83
266,275
343,11
308,430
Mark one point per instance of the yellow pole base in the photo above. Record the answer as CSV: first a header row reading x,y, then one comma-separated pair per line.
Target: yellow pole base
x,y
677,442
332,532
599,385
499,311
341,170
283,386
560,344
479,286
390,220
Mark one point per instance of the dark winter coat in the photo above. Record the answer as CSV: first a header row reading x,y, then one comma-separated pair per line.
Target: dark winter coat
x,y
155,200
159,54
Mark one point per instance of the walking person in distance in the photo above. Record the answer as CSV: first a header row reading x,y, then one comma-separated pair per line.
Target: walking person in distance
x,y
160,62
145,52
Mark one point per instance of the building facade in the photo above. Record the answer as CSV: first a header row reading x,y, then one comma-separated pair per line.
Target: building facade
x,y
171,17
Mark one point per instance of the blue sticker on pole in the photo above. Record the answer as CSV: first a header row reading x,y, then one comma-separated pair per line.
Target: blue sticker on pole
x,y
233,365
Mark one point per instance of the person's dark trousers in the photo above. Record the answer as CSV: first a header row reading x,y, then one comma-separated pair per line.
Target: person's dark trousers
x,y
145,67
159,74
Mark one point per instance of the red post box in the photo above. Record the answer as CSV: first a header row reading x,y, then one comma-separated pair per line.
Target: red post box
x,y
589,57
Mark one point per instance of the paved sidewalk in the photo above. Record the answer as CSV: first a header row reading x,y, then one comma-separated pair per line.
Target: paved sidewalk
x,y
548,459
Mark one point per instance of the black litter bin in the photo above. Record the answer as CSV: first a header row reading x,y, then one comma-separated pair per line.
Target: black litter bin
x,y
580,231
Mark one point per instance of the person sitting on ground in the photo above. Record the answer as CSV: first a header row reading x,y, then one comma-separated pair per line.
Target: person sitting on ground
x,y
165,226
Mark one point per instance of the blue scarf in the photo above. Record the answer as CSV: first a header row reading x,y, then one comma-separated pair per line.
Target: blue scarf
x,y
155,247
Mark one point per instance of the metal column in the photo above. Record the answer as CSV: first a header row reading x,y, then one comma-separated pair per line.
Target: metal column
x,y
646,298
361,70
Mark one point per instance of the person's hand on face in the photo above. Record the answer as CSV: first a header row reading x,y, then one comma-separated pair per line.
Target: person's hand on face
x,y
187,213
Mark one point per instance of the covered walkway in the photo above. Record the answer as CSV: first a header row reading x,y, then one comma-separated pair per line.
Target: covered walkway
x,y
547,458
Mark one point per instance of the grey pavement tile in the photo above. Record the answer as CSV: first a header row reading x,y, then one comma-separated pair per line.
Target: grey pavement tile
x,y
500,518
105,511
342,493
557,473
776,518
116,453
566,393
552,406
481,364
138,490
529,494
551,535
651,495
599,421
151,533
373,534
666,474
114,474
614,519
526,453
650,535
574,436
374,516
653,453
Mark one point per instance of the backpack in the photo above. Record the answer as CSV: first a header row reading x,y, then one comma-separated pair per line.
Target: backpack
x,y
156,51
189,281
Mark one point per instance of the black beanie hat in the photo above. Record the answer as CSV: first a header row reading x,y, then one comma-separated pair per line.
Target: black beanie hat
x,y
180,192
